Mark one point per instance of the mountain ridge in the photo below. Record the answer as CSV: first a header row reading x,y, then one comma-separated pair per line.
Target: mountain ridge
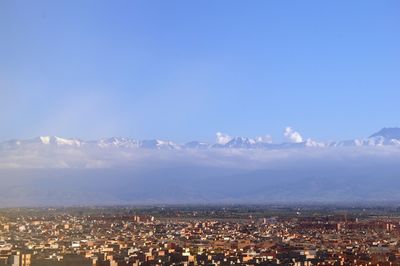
x,y
54,170
386,136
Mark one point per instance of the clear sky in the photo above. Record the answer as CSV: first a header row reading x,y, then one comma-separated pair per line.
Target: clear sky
x,y
184,70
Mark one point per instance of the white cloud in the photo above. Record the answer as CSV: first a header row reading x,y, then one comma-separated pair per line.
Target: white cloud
x,y
223,138
292,135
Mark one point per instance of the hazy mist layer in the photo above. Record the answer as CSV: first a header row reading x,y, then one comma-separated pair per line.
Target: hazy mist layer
x,y
74,176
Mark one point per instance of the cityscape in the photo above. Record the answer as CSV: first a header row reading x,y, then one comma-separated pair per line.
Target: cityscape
x,y
200,235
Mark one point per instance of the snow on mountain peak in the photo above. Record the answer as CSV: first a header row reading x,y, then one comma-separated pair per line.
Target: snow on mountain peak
x,y
264,139
45,139
67,142
313,143
117,142
223,138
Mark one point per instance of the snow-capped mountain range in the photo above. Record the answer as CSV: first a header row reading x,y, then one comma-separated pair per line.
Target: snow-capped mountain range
x,y
384,137
57,171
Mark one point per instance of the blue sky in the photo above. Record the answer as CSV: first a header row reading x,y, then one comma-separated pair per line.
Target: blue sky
x,y
184,70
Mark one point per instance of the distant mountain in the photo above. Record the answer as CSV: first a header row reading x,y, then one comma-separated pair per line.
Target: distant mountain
x,y
196,145
158,144
241,142
116,143
51,170
388,133
60,141
384,137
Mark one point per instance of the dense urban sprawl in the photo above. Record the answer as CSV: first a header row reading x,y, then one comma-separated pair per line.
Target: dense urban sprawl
x,y
197,236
